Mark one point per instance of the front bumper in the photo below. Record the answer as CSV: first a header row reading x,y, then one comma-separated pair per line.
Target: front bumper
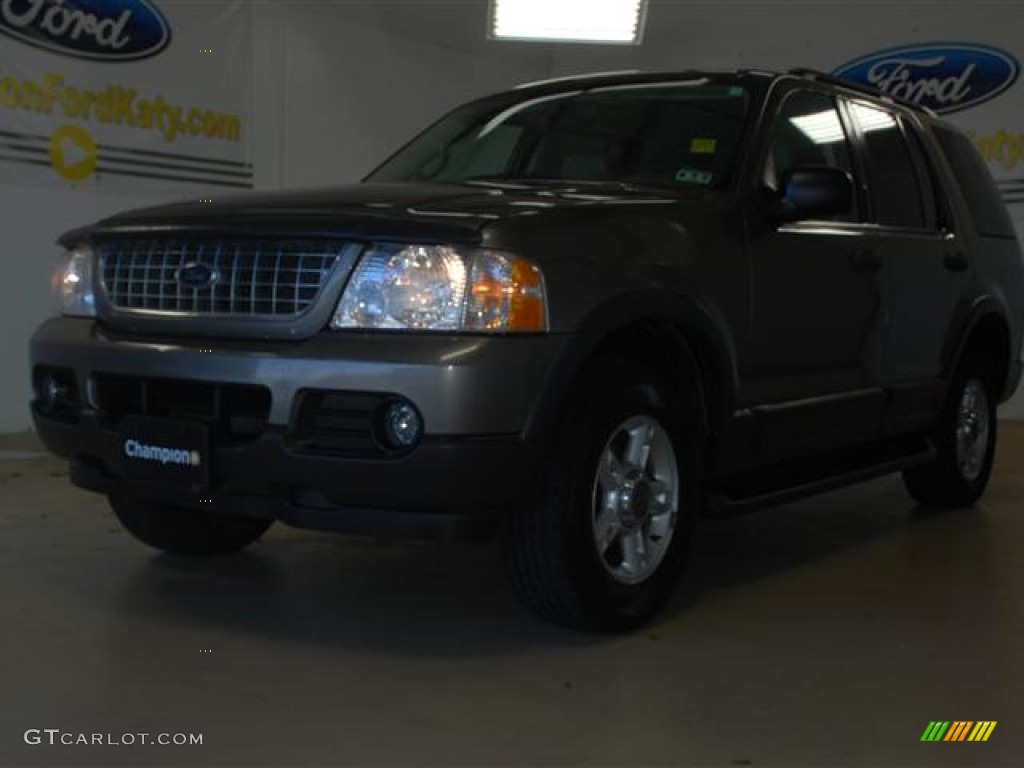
x,y
476,396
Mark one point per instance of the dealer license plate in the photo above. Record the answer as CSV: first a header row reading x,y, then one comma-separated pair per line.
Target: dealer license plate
x,y
166,452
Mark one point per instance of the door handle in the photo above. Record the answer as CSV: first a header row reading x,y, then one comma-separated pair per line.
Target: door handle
x,y
866,260
955,261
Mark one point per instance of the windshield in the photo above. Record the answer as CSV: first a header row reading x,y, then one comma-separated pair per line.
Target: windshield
x,y
679,134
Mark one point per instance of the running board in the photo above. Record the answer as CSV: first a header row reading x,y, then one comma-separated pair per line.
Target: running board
x,y
798,479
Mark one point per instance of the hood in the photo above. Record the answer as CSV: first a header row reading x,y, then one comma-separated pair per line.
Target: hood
x,y
449,213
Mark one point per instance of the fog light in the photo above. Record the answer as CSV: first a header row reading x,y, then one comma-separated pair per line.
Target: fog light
x,y
52,392
56,392
403,425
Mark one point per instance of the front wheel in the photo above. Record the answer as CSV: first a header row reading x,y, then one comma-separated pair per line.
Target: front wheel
x,y
183,531
603,538
965,440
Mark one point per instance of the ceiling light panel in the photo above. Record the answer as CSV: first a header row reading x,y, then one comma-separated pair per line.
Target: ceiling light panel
x,y
571,21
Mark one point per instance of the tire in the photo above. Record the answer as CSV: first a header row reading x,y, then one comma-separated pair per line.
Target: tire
x,y
183,531
573,550
965,441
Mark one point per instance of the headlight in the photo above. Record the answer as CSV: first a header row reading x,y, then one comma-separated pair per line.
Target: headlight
x,y
439,288
72,284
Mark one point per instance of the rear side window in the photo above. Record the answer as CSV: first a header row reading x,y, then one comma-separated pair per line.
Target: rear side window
x,y
895,186
979,191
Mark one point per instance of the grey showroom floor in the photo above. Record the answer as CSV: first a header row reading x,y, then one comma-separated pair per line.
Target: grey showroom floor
x,y
828,632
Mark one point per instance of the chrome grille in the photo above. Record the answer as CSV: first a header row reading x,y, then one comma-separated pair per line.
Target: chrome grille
x,y
252,278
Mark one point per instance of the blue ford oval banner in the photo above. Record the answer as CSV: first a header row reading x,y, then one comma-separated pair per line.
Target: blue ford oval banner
x,y
104,30
946,77
137,96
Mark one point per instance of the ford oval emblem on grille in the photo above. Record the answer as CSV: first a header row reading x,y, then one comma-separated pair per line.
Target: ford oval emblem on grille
x,y
196,275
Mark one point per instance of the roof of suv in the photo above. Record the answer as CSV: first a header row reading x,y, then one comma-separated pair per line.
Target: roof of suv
x,y
764,77
626,77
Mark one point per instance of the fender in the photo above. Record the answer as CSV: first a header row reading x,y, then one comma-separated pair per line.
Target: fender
x,y
956,342
701,336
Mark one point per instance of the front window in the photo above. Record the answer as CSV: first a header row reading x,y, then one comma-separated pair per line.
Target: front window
x,y
808,132
679,134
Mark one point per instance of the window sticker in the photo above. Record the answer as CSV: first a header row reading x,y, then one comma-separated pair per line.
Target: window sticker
x,y
694,176
703,146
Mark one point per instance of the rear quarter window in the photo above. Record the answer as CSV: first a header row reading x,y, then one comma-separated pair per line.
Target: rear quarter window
x,y
979,190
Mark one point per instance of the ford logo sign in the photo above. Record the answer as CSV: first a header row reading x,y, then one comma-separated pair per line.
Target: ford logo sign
x,y
104,30
946,77
196,275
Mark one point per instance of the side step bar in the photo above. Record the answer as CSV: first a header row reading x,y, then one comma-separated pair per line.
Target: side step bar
x,y
793,480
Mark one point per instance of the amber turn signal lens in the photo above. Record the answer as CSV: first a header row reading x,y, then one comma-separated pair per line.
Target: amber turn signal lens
x,y
506,294
526,310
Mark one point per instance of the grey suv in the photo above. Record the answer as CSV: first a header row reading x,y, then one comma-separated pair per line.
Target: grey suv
x,y
579,315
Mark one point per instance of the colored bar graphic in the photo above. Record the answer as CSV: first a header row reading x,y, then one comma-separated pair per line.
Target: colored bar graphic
x,y
935,730
985,730
959,730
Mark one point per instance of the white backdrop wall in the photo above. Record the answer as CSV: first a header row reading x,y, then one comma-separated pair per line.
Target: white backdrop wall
x,y
355,93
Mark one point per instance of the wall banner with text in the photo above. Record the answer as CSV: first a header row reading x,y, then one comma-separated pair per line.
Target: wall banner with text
x,y
143,97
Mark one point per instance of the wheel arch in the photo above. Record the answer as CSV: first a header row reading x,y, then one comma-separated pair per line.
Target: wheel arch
x,y
642,326
987,332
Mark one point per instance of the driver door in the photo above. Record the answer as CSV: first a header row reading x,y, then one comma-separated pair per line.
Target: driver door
x,y
818,321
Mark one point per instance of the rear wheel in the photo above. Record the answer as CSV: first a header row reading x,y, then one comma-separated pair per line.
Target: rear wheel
x,y
604,536
183,531
965,440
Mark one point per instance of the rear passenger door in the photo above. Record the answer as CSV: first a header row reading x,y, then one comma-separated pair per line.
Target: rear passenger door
x,y
924,268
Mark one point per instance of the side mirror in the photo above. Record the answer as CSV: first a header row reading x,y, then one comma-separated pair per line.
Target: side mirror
x,y
813,192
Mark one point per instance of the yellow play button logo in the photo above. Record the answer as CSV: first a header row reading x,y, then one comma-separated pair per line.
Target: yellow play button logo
x,y
73,153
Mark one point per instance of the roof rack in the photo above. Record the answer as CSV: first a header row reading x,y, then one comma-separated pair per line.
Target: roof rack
x,y
571,78
824,77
